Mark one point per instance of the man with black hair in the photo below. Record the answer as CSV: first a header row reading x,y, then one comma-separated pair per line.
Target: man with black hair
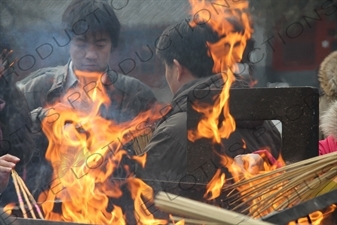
x,y
94,31
188,64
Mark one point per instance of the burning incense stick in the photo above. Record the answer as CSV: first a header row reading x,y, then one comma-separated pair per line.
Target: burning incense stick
x,y
201,211
20,189
286,186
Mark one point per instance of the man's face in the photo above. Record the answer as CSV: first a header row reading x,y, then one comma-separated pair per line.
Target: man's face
x,y
91,51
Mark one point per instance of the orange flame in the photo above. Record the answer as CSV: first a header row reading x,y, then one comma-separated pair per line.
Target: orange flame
x,y
232,24
180,222
215,185
315,217
9,208
226,53
242,167
85,151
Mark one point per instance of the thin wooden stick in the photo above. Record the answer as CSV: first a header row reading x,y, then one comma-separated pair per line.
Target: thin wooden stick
x,y
292,181
288,188
30,207
25,189
204,212
281,177
141,142
19,195
297,165
21,188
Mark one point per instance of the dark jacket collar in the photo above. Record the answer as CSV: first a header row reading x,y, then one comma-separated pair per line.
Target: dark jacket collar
x,y
63,72
214,82
179,102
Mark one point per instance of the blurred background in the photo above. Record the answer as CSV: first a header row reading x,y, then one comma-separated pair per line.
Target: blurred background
x,y
290,41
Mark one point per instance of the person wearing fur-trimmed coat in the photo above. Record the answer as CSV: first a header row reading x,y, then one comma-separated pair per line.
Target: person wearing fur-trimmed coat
x,y
327,76
329,129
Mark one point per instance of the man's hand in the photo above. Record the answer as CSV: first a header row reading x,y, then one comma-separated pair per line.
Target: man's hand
x,y
7,163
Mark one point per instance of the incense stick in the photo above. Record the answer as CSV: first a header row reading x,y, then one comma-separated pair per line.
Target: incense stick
x,y
20,187
266,191
17,189
141,142
25,189
201,211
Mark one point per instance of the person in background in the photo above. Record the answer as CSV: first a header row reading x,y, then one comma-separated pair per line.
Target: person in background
x,y
17,146
329,130
327,76
188,65
94,31
7,161
92,44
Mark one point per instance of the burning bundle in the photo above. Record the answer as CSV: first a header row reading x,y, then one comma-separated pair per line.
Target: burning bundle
x,y
285,187
25,196
201,213
141,141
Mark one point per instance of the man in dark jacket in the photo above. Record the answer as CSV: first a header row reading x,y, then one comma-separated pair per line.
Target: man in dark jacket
x,y
94,31
184,51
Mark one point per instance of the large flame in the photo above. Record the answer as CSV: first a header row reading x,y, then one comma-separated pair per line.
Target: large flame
x,y
232,23
85,151
223,18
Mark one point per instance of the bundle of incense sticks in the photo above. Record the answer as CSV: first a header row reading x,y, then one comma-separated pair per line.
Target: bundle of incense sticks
x,y
25,197
284,187
201,213
140,142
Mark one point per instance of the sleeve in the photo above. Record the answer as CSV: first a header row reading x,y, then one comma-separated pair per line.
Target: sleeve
x,y
323,147
144,97
36,86
165,163
327,145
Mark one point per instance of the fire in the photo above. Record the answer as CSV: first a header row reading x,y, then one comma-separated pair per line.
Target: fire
x,y
223,18
214,187
180,222
233,25
242,168
315,218
226,53
85,151
9,208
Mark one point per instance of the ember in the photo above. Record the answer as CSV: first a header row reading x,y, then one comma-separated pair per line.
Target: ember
x,y
315,218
